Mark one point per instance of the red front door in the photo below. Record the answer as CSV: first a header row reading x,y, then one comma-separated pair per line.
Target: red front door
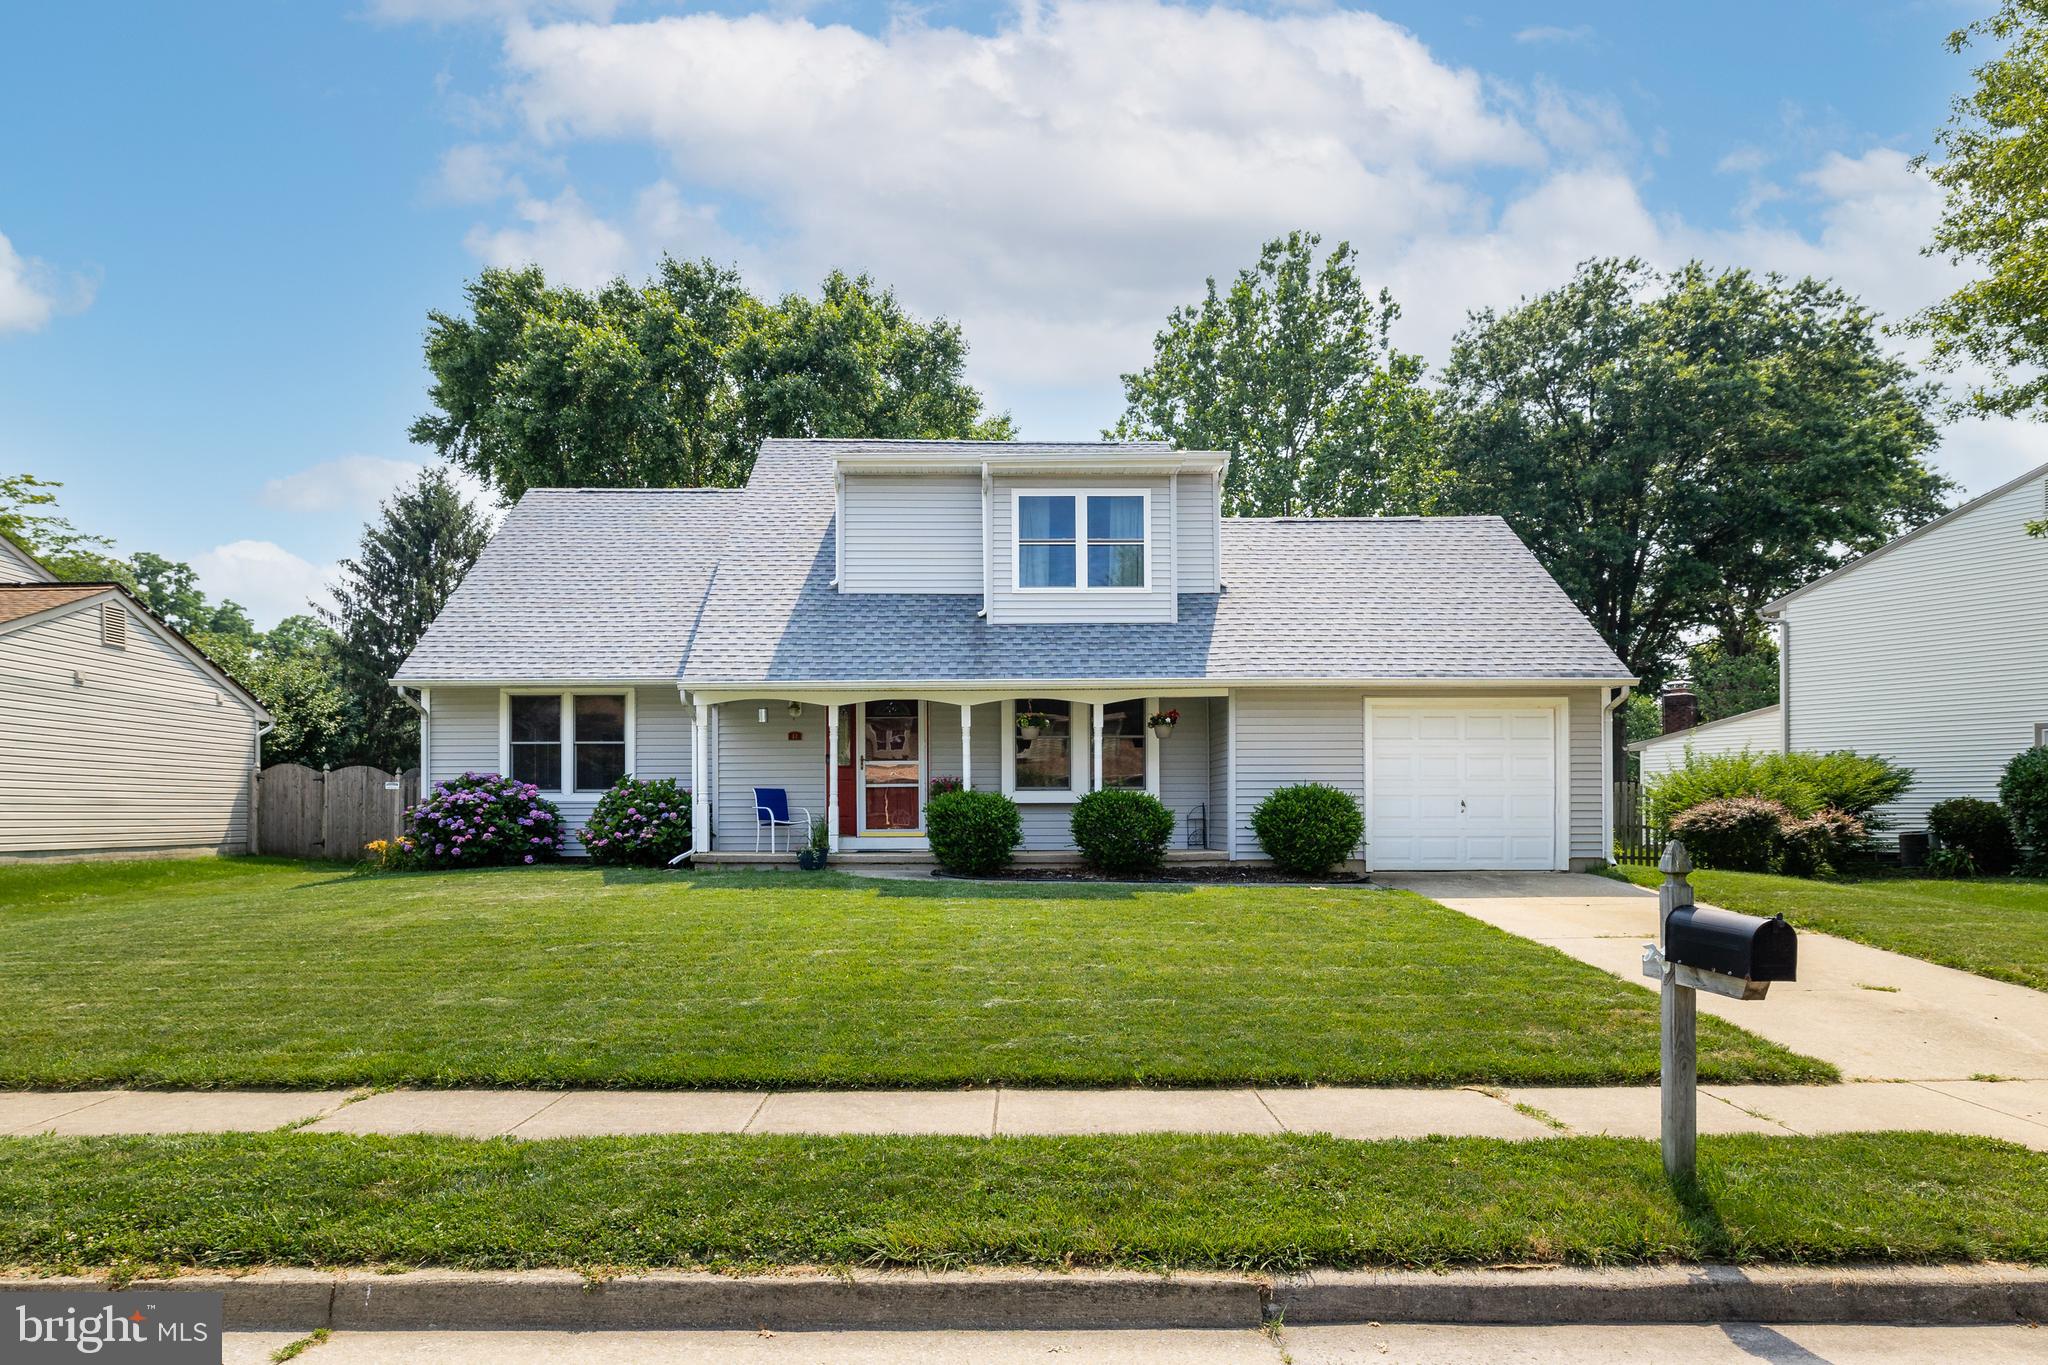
x,y
844,773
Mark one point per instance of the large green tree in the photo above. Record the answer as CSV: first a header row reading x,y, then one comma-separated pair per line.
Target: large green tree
x,y
1294,372
1680,449
30,520
675,382
411,558
1994,168
291,669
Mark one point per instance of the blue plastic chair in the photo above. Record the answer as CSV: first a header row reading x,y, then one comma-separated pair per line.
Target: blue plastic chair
x,y
771,812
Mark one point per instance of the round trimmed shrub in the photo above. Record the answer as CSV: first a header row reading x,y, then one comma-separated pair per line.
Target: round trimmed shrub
x,y
2024,791
640,822
973,833
484,820
1823,842
1735,833
1978,828
1122,831
1306,828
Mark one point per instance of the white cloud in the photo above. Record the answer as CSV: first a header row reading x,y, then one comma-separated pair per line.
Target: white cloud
x,y
267,579
1576,34
31,293
351,483
1058,184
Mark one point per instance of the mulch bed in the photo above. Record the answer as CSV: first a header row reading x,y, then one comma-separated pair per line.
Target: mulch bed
x,y
1223,874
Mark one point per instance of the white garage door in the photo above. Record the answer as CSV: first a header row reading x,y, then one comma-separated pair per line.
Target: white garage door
x,y
1462,787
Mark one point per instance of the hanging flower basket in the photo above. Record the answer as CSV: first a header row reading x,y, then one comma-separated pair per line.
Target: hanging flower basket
x,y
1030,725
1162,722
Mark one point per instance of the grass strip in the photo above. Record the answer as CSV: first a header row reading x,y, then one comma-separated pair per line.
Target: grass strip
x,y
148,1204
267,973
1992,926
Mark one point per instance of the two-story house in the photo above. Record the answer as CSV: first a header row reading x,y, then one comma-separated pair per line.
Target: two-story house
x,y
867,616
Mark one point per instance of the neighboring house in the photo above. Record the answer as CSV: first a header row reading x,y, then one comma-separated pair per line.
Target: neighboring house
x,y
1758,732
866,616
1931,650
116,734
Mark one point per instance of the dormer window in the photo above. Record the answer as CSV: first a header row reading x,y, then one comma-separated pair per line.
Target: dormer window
x,y
1082,541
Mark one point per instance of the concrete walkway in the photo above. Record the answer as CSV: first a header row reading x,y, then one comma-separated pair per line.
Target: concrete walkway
x,y
1876,1015
2016,1111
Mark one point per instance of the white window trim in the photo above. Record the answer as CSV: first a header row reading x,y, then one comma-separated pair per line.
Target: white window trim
x,y
568,698
1080,496
1082,760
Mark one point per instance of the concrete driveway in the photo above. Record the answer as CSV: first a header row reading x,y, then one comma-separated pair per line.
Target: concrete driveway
x,y
1878,1016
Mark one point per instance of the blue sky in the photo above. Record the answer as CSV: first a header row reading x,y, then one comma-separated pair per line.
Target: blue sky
x,y
224,226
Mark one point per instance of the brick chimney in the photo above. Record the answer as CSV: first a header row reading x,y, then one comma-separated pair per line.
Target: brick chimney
x,y
1681,708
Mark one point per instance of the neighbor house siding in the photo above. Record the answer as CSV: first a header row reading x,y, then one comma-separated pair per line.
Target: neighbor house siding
x,y
1008,606
912,534
118,750
1195,536
464,737
16,567
1291,735
1759,732
1934,654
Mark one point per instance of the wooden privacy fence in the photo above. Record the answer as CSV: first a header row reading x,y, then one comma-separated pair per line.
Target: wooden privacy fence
x,y
302,812
1636,840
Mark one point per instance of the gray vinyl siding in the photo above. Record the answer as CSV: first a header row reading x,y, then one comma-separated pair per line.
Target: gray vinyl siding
x,y
1196,536
942,741
1760,732
148,752
16,567
756,754
912,534
1006,605
1290,735
464,737
1934,654
1219,773
1184,763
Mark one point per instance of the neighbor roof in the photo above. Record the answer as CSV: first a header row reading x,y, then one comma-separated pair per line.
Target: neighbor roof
x,y
17,601
596,583
1393,598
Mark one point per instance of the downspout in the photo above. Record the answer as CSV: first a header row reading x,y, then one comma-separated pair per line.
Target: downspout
x,y
838,525
1785,684
425,707
1173,542
255,839
1607,778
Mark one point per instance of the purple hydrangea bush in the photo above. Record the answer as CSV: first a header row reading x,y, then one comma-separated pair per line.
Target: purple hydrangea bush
x,y
638,823
484,820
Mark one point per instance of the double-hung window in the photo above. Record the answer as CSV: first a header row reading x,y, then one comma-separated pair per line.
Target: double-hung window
x,y
1081,541
568,741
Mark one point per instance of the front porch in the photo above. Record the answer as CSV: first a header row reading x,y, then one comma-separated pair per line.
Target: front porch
x,y
864,764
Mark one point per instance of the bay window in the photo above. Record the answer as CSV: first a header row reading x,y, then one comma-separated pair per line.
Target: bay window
x,y
564,742
1053,748
1082,541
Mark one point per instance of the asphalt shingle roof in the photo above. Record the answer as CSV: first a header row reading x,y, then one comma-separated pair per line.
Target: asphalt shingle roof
x,y
600,583
17,601
735,588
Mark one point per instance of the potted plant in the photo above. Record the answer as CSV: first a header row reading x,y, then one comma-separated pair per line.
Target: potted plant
x,y
812,857
1031,724
1162,722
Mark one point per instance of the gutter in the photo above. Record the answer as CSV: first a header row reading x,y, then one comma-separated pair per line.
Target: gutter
x,y
987,573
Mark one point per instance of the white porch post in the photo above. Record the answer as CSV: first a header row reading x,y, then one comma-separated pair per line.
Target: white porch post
x,y
1096,736
967,745
832,777
700,764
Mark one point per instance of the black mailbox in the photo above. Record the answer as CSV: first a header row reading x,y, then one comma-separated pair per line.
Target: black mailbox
x,y
1745,946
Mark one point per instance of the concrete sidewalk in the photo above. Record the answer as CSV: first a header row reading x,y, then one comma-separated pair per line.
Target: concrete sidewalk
x,y
1876,1015
2016,1111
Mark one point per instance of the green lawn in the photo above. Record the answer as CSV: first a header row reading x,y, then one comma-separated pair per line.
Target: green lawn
x,y
270,973
1995,927
1253,1203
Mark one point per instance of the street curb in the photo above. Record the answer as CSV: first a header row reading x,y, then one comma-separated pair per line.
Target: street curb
x,y
302,1300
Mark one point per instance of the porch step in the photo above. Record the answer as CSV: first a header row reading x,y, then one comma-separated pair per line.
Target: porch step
x,y
917,857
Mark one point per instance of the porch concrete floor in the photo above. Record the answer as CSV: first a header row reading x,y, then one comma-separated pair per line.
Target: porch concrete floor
x,y
2013,1110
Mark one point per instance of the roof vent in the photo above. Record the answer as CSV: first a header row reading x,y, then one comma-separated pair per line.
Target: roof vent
x,y
113,626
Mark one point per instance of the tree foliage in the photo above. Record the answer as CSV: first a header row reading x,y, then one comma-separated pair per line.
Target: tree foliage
x,y
1294,372
29,519
1680,449
1993,167
410,560
291,669
675,382
1728,684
